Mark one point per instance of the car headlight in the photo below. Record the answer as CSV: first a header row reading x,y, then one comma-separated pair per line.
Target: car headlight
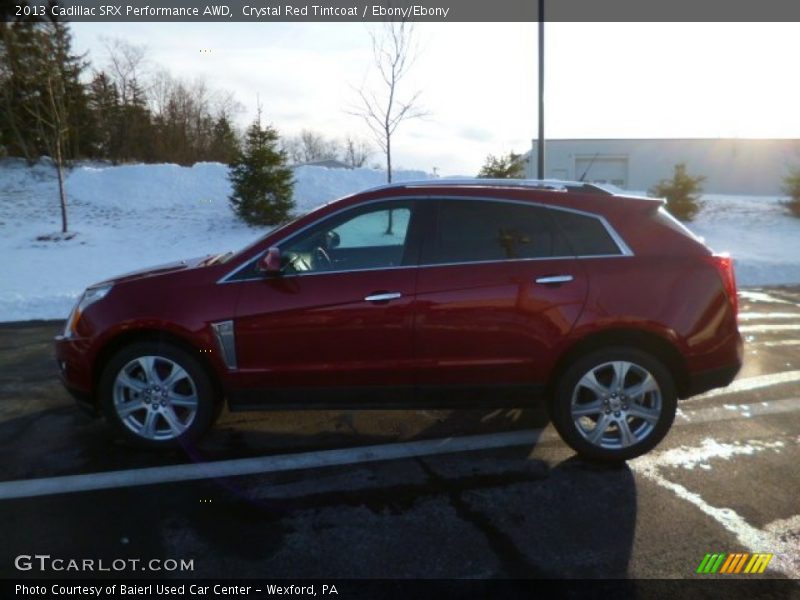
x,y
89,297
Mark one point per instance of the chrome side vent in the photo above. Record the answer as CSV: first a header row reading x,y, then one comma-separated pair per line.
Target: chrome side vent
x,y
226,340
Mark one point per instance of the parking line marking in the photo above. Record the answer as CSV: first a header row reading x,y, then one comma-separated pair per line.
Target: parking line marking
x,y
29,488
751,383
778,343
263,464
768,328
755,296
776,536
755,316
734,411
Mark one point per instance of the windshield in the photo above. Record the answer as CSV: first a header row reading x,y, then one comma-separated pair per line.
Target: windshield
x,y
260,239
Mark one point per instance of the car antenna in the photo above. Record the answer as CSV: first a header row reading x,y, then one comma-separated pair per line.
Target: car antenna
x,y
591,162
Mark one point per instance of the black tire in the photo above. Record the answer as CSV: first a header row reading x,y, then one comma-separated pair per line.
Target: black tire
x,y
115,396
658,406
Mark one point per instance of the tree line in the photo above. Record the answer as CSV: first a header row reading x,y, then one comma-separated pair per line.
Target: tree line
x,y
53,98
52,101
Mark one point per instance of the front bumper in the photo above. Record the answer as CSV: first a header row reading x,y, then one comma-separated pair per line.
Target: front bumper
x,y
74,371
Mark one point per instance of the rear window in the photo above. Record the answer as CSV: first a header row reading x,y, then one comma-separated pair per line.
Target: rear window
x,y
587,236
475,231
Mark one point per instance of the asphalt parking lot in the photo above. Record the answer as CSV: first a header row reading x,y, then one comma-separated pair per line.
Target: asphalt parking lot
x,y
513,502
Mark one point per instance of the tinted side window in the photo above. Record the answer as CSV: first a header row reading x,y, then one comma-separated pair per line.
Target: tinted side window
x,y
476,230
586,235
383,227
366,237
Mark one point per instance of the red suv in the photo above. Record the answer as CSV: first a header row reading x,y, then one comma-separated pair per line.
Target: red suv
x,y
436,294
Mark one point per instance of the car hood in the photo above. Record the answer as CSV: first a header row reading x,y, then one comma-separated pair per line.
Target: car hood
x,y
171,267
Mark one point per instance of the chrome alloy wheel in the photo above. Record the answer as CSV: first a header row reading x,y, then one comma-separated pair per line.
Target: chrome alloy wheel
x,y
155,398
616,404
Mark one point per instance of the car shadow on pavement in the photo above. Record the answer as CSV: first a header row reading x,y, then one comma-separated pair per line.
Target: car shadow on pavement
x,y
525,516
533,517
62,440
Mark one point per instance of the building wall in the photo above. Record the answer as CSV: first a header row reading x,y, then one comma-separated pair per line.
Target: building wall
x,y
731,166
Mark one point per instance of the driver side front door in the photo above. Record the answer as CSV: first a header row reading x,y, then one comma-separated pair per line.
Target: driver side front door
x,y
337,325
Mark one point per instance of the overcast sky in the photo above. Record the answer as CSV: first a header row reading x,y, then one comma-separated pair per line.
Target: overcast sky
x,y
479,80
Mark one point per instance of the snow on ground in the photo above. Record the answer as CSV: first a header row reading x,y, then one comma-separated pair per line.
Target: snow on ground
x,y
758,232
133,216
126,218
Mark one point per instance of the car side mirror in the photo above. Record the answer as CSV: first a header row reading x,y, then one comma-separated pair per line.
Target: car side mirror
x,y
270,262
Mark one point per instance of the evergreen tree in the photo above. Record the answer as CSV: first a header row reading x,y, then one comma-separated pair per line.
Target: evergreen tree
x,y
791,187
224,144
510,166
105,108
36,60
262,182
682,193
135,136
21,57
70,68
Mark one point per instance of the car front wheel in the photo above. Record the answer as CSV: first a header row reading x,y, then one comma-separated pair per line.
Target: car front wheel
x,y
614,404
157,395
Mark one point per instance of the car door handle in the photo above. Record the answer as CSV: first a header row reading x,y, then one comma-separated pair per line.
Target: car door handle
x,y
554,279
383,297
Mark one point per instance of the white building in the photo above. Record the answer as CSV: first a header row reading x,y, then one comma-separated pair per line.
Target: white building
x,y
731,166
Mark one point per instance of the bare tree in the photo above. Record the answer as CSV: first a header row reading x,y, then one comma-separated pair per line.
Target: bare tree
x,y
310,146
224,104
382,109
48,110
318,147
126,63
162,85
356,152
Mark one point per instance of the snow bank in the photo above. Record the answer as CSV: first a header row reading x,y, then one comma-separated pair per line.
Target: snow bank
x,y
132,216
318,185
757,231
127,217
204,186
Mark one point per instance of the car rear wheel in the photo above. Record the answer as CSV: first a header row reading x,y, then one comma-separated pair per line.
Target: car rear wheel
x,y
614,404
157,395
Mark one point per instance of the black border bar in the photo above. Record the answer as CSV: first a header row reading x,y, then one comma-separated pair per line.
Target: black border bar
x,y
411,10
753,588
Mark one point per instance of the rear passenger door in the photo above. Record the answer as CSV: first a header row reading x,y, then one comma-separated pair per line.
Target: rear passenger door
x,y
499,287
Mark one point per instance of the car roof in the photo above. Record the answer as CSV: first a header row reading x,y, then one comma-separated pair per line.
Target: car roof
x,y
553,185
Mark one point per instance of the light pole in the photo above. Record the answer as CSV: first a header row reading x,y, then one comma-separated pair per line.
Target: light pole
x,y
540,141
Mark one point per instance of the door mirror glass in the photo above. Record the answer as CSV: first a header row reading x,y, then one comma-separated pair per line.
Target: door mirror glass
x,y
270,263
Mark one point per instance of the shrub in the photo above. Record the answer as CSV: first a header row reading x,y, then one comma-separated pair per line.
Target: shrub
x,y
682,193
511,166
791,187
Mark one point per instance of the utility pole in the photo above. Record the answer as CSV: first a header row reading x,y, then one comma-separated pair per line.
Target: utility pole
x,y
540,141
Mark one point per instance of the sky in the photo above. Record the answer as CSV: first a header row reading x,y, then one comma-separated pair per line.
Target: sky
x,y
478,81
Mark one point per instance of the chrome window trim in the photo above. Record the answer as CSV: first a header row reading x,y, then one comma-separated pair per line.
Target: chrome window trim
x,y
225,278
615,237
623,247
449,264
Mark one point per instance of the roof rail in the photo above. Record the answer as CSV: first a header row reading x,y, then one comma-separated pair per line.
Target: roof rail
x,y
537,184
